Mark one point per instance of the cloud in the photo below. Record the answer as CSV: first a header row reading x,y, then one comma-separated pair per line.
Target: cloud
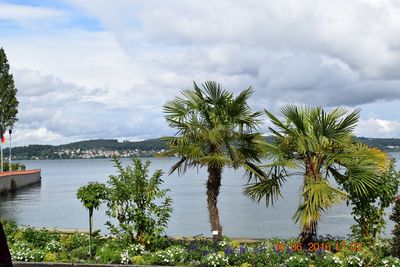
x,y
315,53
25,14
112,81
27,135
378,128
53,111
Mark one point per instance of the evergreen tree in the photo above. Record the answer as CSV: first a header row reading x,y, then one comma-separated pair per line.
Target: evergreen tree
x,y
8,98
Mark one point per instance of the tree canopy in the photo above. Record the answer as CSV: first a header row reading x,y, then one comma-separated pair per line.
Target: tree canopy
x,y
8,95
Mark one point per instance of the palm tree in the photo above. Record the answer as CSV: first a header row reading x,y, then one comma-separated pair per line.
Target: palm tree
x,y
322,145
214,130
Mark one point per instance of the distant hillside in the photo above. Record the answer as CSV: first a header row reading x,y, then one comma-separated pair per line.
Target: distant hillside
x,y
102,148
387,144
99,148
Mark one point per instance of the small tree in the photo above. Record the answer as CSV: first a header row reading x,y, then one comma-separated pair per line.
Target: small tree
x,y
132,199
91,196
369,209
8,98
321,144
396,231
215,130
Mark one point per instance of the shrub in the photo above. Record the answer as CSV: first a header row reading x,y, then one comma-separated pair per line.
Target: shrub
x,y
396,231
388,262
131,251
50,257
297,261
136,201
53,246
215,260
171,256
369,209
137,259
80,254
23,251
109,253
328,260
74,241
39,238
9,227
15,166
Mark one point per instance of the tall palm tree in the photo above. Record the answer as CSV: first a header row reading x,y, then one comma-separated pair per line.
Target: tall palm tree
x,y
214,130
322,145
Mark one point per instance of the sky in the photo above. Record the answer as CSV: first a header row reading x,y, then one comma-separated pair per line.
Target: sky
x,y
104,69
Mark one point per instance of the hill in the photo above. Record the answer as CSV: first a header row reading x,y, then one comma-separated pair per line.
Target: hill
x,y
103,148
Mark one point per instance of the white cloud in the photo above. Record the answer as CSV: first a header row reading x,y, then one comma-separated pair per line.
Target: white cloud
x,y
112,82
24,14
378,128
27,135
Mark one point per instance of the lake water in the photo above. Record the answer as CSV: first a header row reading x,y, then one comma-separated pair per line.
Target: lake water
x,y
53,203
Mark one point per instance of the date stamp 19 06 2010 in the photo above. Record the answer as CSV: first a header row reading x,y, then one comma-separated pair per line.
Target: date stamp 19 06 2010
x,y
318,246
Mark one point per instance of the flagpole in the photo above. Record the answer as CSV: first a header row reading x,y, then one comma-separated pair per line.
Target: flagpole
x,y
9,159
1,148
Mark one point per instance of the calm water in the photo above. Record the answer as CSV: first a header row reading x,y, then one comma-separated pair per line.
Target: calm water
x,y
53,203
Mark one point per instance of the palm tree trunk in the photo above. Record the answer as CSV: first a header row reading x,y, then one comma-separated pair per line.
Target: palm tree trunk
x,y
213,185
308,234
309,231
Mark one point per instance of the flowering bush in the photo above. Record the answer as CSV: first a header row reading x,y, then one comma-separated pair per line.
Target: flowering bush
x,y
215,260
136,249
329,260
131,251
22,251
389,262
171,256
354,261
71,248
297,261
53,246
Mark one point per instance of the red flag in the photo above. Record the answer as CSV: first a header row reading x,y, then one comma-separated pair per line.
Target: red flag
x,y
3,139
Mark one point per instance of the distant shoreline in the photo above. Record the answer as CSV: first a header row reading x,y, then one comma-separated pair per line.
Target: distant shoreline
x,y
106,148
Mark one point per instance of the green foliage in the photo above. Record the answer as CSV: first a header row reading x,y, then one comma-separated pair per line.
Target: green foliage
x,y
91,195
147,147
214,130
15,166
297,261
144,148
109,253
215,260
50,257
395,216
369,209
39,238
388,262
132,198
175,255
322,145
69,248
10,227
8,95
73,241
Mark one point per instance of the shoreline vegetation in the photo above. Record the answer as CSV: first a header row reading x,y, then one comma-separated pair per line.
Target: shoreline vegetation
x,y
40,245
106,148
217,130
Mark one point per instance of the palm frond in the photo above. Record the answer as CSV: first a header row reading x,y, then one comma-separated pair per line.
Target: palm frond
x,y
267,187
317,197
